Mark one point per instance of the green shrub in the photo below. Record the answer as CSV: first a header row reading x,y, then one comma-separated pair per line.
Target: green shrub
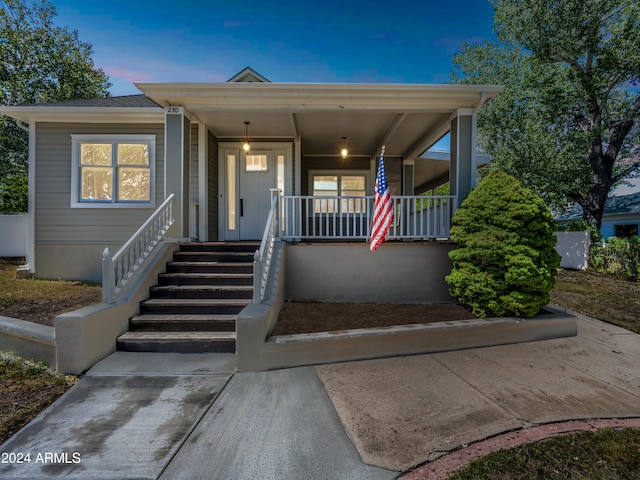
x,y
505,262
616,256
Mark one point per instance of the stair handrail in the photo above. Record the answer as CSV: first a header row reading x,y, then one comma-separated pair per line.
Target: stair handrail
x,y
262,257
120,268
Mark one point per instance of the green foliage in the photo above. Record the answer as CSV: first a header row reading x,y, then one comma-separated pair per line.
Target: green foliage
x,y
428,202
616,256
566,124
39,62
505,262
13,194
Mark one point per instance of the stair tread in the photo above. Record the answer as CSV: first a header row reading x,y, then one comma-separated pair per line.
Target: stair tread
x,y
173,336
212,264
207,275
185,318
214,252
197,301
214,288
222,244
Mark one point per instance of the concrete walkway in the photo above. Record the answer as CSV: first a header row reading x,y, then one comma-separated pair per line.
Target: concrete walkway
x,y
166,416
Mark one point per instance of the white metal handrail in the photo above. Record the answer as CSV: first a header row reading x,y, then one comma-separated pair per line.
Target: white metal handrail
x,y
263,256
118,269
349,217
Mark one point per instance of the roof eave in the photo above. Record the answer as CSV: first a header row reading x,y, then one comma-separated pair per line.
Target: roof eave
x,y
307,96
37,113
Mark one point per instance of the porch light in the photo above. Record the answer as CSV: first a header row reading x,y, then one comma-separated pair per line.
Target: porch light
x,y
344,152
245,146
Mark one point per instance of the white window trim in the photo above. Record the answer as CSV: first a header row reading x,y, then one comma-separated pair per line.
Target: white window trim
x,y
341,173
368,188
79,139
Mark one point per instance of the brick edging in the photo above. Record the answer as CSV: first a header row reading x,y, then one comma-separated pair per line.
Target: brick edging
x,y
441,468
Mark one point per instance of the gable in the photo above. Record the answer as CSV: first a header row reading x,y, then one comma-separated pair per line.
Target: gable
x,y
248,75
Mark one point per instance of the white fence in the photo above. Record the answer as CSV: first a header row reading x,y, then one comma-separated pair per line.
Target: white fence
x,y
573,247
13,235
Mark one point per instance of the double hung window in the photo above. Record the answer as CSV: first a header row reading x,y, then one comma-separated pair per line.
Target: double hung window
x,y
351,187
113,171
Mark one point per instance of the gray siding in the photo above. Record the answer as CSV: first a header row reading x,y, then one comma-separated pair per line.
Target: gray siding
x,y
58,223
212,159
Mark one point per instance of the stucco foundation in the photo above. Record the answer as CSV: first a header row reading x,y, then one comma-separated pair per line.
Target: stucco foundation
x,y
350,273
398,272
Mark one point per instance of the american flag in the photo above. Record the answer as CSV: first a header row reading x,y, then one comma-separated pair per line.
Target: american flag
x,y
383,208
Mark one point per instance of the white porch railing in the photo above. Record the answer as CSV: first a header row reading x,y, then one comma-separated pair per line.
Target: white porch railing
x,y
118,269
263,256
344,217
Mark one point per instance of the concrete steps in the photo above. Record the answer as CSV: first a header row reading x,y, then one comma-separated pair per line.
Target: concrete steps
x,y
182,342
194,307
169,323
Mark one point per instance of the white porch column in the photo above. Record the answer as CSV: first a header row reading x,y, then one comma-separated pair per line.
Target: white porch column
x,y
462,170
177,133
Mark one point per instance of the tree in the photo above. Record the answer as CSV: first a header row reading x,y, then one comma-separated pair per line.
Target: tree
x,y
39,62
567,123
505,261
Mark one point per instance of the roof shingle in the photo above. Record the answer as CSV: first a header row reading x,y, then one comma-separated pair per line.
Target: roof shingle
x,y
130,101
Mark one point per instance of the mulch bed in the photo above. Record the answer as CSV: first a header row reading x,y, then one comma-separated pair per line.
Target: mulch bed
x,y
312,317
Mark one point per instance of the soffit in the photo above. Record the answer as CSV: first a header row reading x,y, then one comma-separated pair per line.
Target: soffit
x,y
403,117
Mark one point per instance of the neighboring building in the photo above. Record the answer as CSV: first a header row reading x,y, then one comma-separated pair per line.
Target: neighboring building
x,y
621,217
98,168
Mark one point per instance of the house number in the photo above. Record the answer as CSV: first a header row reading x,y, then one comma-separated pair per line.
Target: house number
x,y
174,109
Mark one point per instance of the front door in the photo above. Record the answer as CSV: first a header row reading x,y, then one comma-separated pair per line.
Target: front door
x,y
249,178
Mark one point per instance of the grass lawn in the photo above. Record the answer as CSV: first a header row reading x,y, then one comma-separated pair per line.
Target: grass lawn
x,y
600,296
40,301
602,455
27,389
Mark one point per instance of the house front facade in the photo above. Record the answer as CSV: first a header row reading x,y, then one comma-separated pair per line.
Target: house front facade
x,y
99,168
267,188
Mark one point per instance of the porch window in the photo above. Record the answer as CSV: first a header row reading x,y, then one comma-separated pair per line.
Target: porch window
x,y
349,186
113,171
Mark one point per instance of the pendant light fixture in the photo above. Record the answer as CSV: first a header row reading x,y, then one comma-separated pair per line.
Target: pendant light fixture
x,y
245,146
344,152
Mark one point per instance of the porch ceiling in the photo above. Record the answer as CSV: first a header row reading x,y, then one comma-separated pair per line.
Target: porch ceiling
x,y
407,119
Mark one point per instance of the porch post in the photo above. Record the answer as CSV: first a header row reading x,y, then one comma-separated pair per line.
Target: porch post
x,y
177,132
462,170
408,189
408,177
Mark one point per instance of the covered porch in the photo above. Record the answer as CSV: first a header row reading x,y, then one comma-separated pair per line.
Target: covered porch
x,y
296,133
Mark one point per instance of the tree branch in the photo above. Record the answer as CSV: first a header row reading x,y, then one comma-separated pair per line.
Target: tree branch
x,y
633,113
619,131
622,174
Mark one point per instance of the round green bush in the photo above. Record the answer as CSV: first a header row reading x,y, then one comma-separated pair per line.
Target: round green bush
x,y
505,262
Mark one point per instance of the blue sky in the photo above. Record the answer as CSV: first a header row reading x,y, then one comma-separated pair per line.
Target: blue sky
x,y
349,41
